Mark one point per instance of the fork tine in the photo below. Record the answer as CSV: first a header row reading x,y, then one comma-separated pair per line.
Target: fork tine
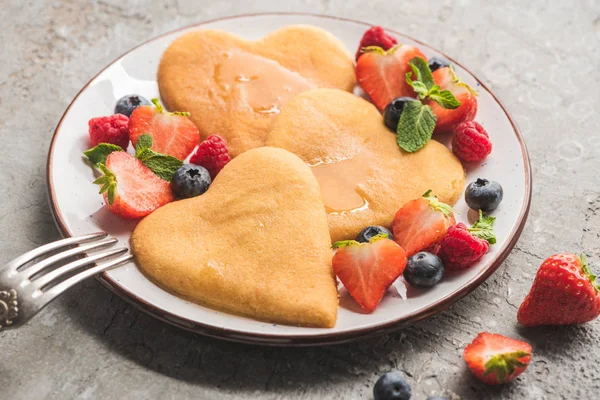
x,y
49,295
40,266
51,276
40,251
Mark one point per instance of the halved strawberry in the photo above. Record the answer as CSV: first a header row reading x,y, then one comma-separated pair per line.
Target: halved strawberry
x,y
496,359
130,189
382,74
368,269
448,119
421,224
172,133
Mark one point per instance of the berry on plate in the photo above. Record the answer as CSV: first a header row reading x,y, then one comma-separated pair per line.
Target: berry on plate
x,y
370,232
126,104
368,269
112,129
375,36
564,292
471,142
173,133
382,73
496,359
392,386
190,181
483,195
436,63
212,154
393,111
130,189
447,118
462,247
424,270
421,223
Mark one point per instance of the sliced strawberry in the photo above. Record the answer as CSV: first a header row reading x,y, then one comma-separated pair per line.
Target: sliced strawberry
x,y
496,359
172,133
421,224
130,189
382,74
448,119
368,269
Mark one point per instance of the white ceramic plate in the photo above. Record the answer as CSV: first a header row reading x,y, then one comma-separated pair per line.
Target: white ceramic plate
x,y
78,209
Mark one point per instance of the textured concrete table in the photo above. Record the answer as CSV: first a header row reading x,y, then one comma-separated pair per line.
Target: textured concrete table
x,y
541,57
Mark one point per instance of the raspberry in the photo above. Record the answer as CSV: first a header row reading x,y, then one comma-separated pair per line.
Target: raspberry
x,y
212,154
376,36
459,249
112,129
471,142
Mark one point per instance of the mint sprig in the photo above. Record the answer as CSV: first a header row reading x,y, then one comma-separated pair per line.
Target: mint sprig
x,y
97,155
425,86
484,228
162,165
415,127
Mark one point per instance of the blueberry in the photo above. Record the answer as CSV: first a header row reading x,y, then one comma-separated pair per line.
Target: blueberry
x,y
366,234
424,270
190,180
392,386
483,195
392,112
437,62
126,104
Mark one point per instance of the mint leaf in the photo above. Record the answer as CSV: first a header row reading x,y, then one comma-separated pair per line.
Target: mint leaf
x,y
144,142
422,71
415,127
418,86
98,154
484,228
162,165
445,98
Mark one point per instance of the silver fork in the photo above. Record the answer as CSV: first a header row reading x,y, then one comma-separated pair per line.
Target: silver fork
x,y
26,289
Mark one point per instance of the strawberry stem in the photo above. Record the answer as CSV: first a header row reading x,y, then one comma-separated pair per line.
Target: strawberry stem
x,y
108,183
436,204
456,80
161,109
344,243
504,365
587,271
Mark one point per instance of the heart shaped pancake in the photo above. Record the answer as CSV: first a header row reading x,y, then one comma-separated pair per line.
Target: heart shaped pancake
x,y
234,87
364,176
256,243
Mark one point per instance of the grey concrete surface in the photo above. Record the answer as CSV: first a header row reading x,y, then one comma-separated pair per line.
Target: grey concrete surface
x,y
541,57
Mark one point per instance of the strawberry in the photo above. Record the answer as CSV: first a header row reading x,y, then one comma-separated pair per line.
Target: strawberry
x,y
130,189
368,269
421,223
173,133
448,119
382,73
564,292
496,359
375,36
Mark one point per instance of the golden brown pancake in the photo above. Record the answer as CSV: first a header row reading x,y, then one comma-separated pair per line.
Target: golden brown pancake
x,y
364,176
256,243
234,87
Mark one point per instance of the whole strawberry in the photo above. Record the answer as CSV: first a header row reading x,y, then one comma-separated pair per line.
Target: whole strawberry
x,y
375,36
112,129
462,247
212,154
564,292
496,359
471,142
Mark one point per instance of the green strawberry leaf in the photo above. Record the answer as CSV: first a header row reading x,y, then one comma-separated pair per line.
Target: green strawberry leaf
x,y
484,228
504,365
162,165
415,127
98,154
344,243
422,72
436,204
456,80
161,109
107,182
445,98
587,271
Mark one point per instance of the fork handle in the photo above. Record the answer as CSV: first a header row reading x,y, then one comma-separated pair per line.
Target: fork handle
x,y
9,307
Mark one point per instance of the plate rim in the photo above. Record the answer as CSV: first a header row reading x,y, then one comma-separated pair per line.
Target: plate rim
x,y
310,339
